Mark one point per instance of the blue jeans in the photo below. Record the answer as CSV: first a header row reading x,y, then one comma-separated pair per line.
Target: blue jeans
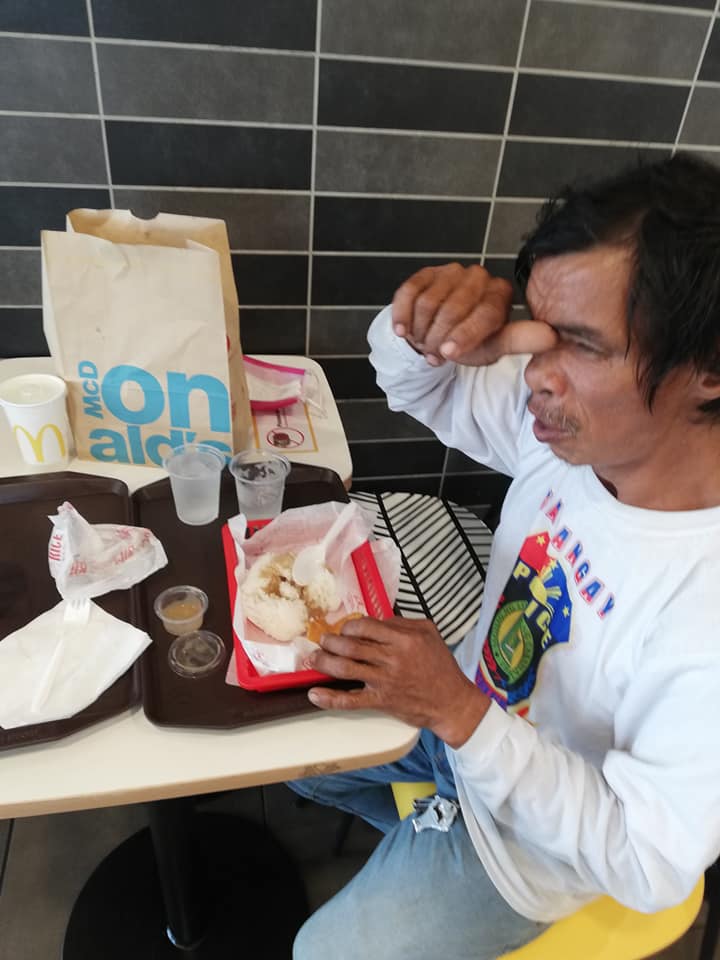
x,y
420,896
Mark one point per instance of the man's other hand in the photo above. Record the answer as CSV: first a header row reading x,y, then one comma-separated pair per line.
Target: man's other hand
x,y
407,671
463,314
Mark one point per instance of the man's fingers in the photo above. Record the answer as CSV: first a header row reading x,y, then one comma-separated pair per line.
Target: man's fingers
x,y
404,300
458,303
523,336
429,302
328,699
487,314
353,648
342,668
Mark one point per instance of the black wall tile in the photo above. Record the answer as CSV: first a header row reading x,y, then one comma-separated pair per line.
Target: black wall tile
x,y
216,84
597,109
273,331
710,69
412,98
50,76
350,378
364,281
429,485
510,223
340,331
21,333
343,223
255,221
702,123
696,4
459,462
51,150
270,279
373,420
20,277
474,31
533,169
183,155
44,16
280,24
480,489
359,161
634,42
402,457
28,210
504,267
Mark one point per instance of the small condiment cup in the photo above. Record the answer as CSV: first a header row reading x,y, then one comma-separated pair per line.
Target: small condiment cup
x,y
181,609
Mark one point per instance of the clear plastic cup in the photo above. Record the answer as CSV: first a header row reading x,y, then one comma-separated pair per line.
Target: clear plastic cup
x,y
181,609
260,482
34,404
196,654
194,470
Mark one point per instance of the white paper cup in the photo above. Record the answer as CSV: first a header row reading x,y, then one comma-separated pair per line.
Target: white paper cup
x,y
34,405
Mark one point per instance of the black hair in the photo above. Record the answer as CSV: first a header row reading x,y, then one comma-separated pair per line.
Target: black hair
x,y
668,214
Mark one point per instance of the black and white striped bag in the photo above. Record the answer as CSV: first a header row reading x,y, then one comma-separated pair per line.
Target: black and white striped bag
x,y
445,549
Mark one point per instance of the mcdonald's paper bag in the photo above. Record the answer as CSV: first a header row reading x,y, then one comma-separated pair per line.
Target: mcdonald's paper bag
x,y
141,317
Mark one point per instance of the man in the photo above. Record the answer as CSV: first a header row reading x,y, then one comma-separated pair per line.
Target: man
x,y
579,726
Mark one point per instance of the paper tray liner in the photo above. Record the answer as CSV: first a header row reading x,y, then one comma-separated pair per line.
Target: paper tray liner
x,y
373,593
195,556
27,589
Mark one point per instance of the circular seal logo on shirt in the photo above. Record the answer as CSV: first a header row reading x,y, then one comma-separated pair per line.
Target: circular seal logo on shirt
x,y
511,641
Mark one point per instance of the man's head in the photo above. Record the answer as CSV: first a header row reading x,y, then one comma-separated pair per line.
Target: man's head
x,y
628,273
667,216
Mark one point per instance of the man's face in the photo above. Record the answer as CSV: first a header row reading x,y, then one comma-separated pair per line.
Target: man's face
x,y
587,404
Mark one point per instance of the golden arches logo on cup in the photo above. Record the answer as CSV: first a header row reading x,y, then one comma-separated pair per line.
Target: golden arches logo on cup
x,y
34,406
36,442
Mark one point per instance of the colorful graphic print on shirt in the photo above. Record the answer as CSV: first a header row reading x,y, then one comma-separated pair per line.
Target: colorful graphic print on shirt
x,y
533,613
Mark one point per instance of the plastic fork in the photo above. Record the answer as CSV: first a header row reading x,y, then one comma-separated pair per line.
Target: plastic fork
x,y
76,611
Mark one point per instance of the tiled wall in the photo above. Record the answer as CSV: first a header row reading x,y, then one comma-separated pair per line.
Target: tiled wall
x,y
345,142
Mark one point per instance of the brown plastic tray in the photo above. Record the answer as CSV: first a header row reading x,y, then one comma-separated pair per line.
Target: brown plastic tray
x,y
195,556
27,589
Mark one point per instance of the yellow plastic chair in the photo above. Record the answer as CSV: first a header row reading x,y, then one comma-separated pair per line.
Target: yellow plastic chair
x,y
603,930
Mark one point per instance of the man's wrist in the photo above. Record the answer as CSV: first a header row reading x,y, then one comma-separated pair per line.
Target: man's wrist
x,y
457,728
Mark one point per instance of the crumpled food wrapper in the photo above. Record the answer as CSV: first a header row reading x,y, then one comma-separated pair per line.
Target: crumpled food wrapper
x,y
290,532
88,560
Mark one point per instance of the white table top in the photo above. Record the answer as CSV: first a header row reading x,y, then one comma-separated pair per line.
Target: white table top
x,y
128,759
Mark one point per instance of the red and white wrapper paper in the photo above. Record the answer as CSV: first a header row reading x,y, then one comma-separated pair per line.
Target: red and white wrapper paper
x,y
290,532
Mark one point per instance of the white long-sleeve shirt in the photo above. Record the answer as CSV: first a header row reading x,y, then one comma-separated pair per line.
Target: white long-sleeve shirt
x,y
597,767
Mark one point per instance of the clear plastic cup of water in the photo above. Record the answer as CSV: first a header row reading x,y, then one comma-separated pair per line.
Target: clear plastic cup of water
x,y
195,470
259,482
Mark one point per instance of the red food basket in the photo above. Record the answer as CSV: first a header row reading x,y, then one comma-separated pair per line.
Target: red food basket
x,y
373,593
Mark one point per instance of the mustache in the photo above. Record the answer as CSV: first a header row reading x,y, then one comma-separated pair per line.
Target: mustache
x,y
551,417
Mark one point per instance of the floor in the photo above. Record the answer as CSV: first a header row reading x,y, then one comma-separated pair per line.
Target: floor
x,y
49,859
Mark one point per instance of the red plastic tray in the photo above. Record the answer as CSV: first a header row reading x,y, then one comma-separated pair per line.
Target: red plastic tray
x,y
373,594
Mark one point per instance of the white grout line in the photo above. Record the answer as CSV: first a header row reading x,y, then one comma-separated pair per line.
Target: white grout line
x,y
313,167
398,131
417,62
4,247
698,67
598,75
208,122
506,128
451,198
98,90
660,8
209,47
49,115
443,472
21,306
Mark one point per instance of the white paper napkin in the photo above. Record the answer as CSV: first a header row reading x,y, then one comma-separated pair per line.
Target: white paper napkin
x,y
93,656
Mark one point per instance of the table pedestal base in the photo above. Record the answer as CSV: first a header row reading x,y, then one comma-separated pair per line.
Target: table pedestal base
x,y
246,899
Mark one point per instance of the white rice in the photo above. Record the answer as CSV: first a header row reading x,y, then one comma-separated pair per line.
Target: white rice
x,y
284,615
